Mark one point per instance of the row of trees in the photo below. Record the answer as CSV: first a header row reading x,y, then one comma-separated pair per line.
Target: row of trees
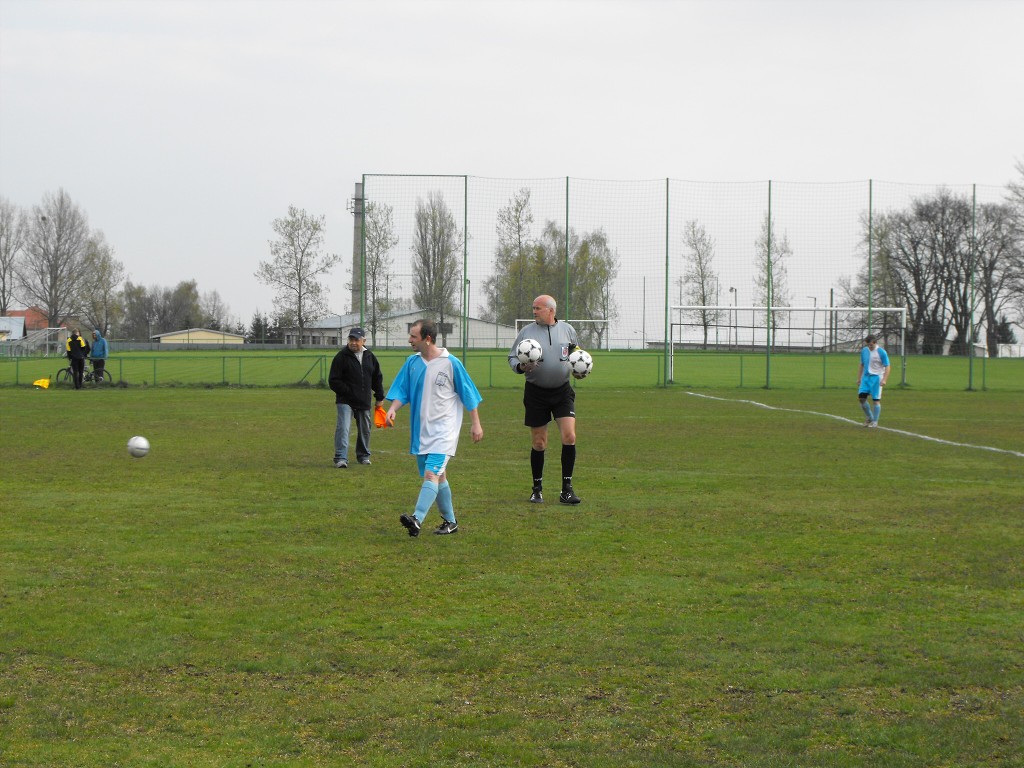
x,y
958,267
526,264
50,258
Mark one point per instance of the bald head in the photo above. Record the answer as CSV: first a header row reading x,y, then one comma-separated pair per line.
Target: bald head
x,y
544,307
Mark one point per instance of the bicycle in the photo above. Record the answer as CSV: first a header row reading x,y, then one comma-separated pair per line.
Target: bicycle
x,y
91,376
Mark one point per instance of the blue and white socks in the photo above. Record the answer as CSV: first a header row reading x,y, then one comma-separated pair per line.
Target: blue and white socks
x,y
429,493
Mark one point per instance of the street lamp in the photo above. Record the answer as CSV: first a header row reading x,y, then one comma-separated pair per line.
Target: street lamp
x,y
814,317
469,285
732,324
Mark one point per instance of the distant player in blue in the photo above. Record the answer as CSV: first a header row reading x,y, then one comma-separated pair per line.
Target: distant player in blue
x,y
437,388
873,373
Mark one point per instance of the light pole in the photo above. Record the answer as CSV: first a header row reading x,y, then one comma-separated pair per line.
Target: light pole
x,y
469,284
814,317
732,323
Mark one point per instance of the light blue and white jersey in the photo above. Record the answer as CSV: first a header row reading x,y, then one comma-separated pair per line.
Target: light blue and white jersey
x,y
436,393
874,361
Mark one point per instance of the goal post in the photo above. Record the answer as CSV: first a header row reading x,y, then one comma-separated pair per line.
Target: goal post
x,y
775,330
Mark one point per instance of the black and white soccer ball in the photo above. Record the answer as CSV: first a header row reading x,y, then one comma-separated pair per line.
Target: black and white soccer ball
x,y
581,363
529,351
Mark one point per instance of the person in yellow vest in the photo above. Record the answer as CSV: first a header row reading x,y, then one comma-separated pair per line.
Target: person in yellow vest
x,y
78,352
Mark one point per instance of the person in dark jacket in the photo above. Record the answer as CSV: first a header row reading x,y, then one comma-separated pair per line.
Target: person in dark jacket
x,y
355,376
78,352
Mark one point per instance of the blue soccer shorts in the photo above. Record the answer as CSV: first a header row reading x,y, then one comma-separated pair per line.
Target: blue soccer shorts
x,y
432,462
871,385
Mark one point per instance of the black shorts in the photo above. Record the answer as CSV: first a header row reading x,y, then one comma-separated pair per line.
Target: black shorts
x,y
544,404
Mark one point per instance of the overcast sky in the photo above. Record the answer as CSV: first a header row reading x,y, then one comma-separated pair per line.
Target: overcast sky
x,y
184,128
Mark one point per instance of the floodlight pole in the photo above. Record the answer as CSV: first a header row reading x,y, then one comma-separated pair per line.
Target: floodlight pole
x,y
814,317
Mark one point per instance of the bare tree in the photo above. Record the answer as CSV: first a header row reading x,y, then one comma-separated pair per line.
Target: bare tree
x,y
699,274
437,245
380,239
771,283
509,289
593,267
1015,197
101,307
54,262
296,267
999,267
214,311
139,312
13,229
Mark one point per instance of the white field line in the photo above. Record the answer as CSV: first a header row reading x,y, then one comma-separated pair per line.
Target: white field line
x,y
857,423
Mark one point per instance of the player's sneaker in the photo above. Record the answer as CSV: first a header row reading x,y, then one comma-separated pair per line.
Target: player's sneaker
x,y
867,422
340,464
365,460
411,524
568,497
536,497
872,423
445,528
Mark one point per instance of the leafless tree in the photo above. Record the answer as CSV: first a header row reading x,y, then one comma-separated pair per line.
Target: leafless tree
x,y
998,269
771,282
380,238
297,265
50,274
699,276
13,230
1015,198
101,305
509,289
214,311
437,250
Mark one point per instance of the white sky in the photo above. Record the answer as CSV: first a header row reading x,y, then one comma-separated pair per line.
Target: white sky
x,y
184,128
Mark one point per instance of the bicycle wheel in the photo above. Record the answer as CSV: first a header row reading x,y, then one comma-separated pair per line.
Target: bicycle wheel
x,y
63,376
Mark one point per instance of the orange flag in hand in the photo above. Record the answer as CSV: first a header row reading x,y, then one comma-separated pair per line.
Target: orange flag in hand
x,y
380,417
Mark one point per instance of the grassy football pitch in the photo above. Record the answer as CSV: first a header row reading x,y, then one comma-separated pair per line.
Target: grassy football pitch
x,y
741,586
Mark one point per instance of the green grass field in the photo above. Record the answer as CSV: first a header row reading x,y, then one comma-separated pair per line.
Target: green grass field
x,y
489,368
741,586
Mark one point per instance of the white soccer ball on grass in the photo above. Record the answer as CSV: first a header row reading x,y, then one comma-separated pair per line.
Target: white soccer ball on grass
x,y
529,351
581,363
138,446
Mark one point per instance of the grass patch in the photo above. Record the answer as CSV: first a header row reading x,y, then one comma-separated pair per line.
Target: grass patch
x,y
741,586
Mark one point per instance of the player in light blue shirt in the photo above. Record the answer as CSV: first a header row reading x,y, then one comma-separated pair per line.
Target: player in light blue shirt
x,y
437,388
873,373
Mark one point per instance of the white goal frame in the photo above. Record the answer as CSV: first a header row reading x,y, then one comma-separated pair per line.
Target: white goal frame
x,y
732,312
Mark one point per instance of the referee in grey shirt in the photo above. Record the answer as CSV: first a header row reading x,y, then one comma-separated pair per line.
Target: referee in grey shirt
x,y
548,394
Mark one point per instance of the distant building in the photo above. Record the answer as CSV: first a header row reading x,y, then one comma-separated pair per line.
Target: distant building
x,y
198,336
12,328
35,318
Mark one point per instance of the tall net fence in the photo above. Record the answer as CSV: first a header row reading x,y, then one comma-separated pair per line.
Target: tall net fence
x,y
473,252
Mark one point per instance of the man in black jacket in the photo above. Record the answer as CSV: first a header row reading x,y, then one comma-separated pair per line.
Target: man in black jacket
x,y
355,375
77,351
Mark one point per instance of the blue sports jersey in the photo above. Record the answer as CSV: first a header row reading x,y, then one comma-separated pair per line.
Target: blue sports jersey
x,y
874,362
436,392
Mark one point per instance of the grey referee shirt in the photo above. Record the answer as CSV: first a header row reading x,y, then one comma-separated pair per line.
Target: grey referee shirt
x,y
557,341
